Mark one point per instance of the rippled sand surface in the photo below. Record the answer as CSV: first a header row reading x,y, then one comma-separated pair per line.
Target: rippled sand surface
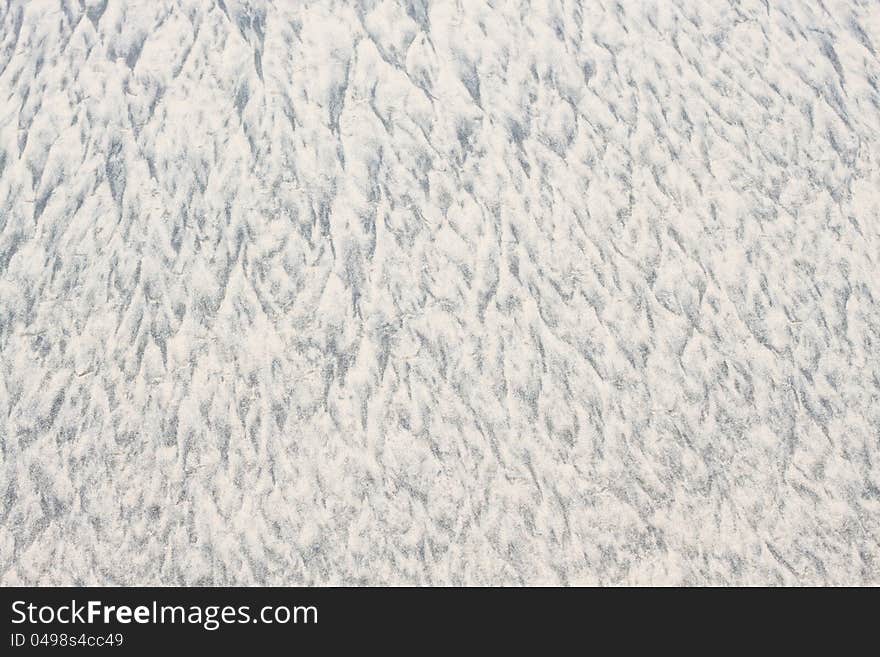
x,y
548,292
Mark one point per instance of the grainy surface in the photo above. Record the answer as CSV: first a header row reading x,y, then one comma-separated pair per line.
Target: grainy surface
x,y
439,292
